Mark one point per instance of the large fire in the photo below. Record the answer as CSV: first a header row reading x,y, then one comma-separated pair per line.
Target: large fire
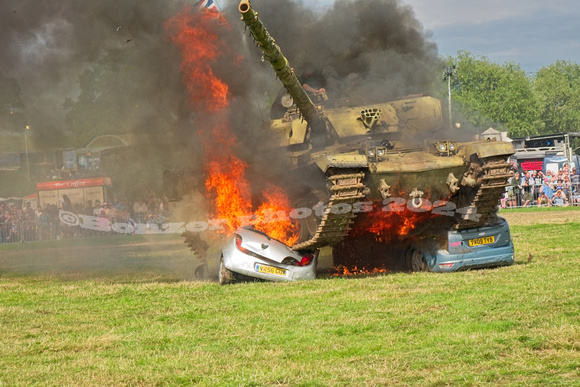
x,y
195,32
389,223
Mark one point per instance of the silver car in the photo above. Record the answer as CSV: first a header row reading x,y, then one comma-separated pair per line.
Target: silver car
x,y
254,254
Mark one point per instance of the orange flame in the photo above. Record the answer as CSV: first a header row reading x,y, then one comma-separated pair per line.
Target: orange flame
x,y
196,34
395,222
343,271
274,213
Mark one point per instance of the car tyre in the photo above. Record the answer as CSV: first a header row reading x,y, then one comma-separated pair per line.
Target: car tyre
x,y
416,260
202,272
225,275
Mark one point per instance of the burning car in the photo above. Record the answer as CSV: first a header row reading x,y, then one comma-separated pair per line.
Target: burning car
x,y
481,247
252,253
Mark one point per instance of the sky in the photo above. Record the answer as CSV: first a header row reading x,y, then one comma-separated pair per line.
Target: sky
x,y
531,33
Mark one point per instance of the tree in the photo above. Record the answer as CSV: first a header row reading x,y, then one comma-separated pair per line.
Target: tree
x,y
557,88
489,94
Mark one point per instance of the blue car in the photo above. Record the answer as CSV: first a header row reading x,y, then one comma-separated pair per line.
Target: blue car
x,y
487,246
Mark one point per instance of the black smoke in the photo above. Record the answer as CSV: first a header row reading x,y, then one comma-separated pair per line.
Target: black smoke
x,y
380,42
54,48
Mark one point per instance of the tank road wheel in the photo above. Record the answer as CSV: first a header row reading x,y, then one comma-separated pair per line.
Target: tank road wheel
x,y
225,275
416,260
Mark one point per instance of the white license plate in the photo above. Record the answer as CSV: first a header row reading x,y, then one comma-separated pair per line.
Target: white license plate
x,y
481,241
270,270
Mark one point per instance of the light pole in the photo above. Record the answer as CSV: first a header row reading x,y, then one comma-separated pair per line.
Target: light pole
x,y
449,73
26,129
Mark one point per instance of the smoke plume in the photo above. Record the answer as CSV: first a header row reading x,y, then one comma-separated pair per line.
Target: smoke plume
x,y
87,68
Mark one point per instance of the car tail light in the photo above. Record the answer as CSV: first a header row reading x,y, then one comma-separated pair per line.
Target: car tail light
x,y
446,265
305,261
239,242
243,249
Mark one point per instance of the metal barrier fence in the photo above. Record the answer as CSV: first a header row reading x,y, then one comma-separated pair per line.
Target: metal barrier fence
x,y
36,230
10,232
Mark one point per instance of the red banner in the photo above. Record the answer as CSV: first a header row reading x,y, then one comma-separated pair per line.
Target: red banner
x,y
79,183
532,165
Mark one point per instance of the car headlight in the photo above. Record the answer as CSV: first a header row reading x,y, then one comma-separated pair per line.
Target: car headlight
x,y
441,147
371,153
380,152
451,146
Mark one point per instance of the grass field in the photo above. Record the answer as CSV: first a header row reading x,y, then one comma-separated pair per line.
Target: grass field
x,y
130,319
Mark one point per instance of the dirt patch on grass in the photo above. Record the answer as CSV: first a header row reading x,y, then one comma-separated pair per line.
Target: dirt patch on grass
x,y
171,259
526,218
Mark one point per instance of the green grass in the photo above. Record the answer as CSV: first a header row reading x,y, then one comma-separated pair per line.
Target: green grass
x,y
518,325
538,209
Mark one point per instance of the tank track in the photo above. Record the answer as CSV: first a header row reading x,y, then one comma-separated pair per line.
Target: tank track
x,y
334,224
195,244
483,208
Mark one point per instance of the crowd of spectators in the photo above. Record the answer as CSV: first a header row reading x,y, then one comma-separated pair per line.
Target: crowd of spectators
x,y
534,188
529,188
43,223
11,220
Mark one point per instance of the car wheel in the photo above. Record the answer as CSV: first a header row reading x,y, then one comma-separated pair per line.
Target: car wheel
x,y
225,275
201,273
416,260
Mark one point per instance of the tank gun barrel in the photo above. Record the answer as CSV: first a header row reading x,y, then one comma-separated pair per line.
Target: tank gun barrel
x,y
282,68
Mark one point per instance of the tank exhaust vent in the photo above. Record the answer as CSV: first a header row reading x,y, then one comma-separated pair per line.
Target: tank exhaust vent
x,y
370,117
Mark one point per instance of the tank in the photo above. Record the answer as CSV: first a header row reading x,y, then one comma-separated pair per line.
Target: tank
x,y
352,157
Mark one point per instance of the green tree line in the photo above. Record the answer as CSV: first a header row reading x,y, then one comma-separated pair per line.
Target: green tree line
x,y
503,96
484,94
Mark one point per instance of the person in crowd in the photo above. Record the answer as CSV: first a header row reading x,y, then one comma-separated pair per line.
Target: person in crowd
x,y
543,200
44,225
538,181
97,209
121,204
54,221
547,190
575,194
516,188
514,166
9,226
527,189
503,199
575,186
28,223
560,199
140,210
566,169
509,194
88,210
567,185
575,175
66,204
113,213
29,213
